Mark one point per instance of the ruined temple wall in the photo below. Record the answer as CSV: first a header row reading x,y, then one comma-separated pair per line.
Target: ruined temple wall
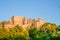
x,y
17,20
24,22
39,22
0,25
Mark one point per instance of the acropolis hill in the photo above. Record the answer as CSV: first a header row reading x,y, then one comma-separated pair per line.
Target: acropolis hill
x,y
21,21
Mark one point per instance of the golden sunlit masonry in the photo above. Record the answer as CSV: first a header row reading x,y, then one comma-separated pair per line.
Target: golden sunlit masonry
x,y
22,21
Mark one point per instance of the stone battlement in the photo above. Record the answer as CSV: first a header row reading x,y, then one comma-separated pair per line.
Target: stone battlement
x,y
21,21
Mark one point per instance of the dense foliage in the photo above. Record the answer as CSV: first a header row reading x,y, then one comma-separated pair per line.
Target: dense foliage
x,y
47,31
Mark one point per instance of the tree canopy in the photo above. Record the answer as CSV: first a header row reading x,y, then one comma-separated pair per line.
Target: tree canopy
x,y
48,31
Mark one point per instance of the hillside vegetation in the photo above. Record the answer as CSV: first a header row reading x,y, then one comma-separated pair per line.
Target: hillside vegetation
x,y
47,31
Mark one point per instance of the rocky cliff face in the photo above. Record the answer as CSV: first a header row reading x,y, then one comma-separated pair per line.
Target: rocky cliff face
x,y
21,21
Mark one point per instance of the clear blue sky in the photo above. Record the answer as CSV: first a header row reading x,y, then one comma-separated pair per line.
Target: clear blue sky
x,y
49,10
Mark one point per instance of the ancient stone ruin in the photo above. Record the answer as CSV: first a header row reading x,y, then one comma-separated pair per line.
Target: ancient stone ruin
x,y
21,21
